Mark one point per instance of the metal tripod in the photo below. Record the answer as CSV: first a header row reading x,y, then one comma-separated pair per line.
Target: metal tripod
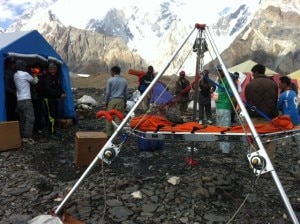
x,y
109,151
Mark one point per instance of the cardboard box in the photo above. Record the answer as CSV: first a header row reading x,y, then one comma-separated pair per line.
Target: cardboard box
x,y
10,135
87,146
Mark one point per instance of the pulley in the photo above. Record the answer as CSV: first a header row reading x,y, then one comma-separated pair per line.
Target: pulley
x,y
109,153
258,162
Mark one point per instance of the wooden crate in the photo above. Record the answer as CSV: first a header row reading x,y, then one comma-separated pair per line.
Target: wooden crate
x,y
10,135
87,146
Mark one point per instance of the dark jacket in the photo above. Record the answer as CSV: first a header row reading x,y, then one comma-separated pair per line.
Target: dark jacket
x,y
145,81
205,89
52,86
182,84
10,87
262,93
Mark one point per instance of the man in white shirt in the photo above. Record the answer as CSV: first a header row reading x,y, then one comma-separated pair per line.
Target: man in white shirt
x,y
22,81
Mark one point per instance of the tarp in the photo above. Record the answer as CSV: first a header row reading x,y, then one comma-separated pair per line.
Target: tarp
x,y
296,77
160,94
32,47
247,66
244,78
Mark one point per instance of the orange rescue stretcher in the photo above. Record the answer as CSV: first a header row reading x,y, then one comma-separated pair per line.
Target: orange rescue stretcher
x,y
158,127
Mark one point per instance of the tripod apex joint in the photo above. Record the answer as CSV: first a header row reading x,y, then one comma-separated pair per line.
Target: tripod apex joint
x,y
200,26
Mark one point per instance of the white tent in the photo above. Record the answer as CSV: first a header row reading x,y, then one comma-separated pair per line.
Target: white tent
x,y
247,66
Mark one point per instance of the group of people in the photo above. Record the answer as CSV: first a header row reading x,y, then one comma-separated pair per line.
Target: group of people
x,y
182,89
116,93
263,103
261,93
33,95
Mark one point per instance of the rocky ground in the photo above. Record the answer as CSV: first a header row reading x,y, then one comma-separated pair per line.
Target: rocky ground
x,y
135,188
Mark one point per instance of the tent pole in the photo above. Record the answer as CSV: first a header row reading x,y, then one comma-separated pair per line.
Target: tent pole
x,y
255,134
108,144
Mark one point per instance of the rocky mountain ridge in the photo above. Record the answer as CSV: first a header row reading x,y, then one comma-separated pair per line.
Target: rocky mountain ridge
x,y
125,31
272,38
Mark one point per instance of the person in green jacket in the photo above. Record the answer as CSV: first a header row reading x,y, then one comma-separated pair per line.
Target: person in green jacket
x,y
223,106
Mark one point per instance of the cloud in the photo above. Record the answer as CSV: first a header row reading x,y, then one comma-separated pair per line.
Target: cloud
x,y
11,9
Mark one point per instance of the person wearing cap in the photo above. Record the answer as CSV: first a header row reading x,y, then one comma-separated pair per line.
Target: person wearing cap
x,y
53,94
182,90
22,81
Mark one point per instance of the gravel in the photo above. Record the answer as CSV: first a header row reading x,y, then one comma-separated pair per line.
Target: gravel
x,y
145,187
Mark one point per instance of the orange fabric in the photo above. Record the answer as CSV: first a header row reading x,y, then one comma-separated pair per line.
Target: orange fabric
x,y
105,114
136,72
35,71
150,122
279,123
212,128
284,122
186,127
68,219
160,123
116,113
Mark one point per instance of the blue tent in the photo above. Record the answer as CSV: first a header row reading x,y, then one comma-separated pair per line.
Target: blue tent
x,y
160,94
31,47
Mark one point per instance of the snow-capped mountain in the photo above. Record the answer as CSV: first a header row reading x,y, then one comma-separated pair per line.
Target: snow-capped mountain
x,y
143,25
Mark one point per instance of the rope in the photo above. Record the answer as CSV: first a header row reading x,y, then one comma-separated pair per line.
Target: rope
x,y
104,192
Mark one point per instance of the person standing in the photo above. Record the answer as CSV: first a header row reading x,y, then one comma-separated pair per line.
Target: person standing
x,y
223,106
182,89
22,81
288,104
145,82
115,96
53,93
10,91
262,94
37,98
146,79
204,97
